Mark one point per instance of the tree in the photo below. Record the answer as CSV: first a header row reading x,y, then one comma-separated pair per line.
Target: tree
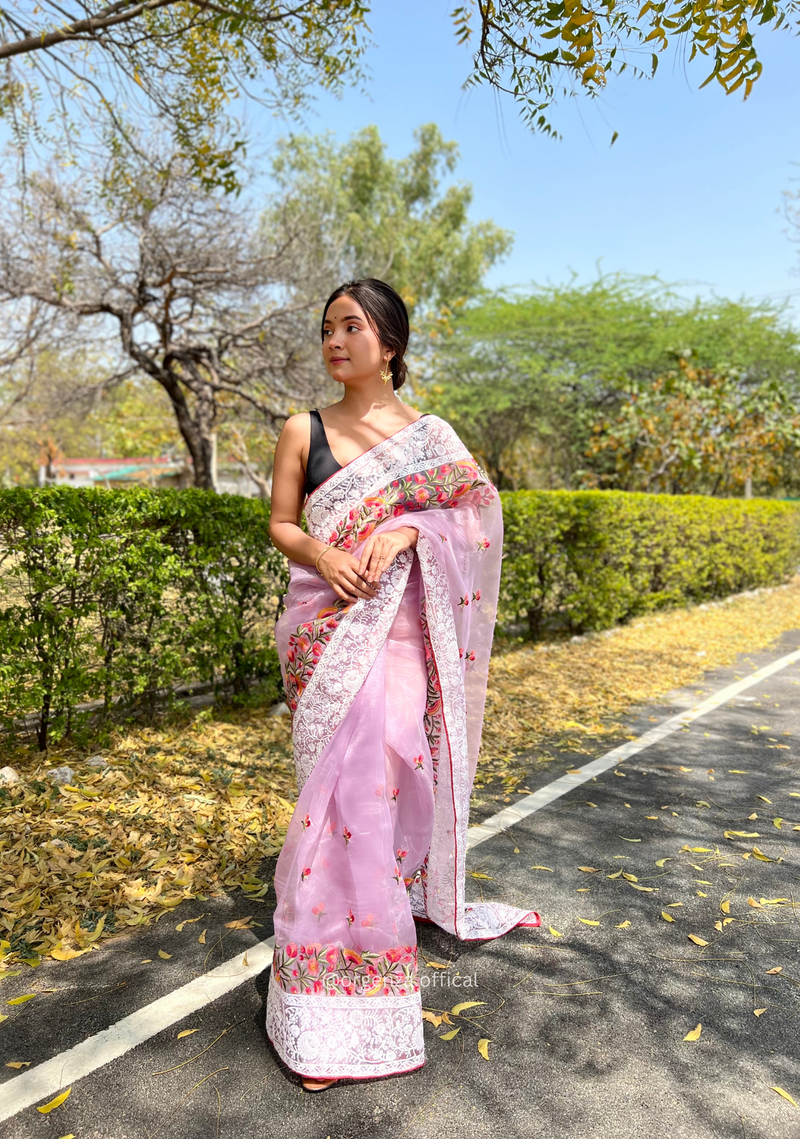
x,y
537,52
183,62
191,292
524,377
106,68
695,431
61,404
370,215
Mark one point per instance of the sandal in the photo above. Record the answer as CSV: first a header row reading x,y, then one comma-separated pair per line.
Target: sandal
x,y
318,1085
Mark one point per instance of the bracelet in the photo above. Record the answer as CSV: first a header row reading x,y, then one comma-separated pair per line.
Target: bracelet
x,y
319,555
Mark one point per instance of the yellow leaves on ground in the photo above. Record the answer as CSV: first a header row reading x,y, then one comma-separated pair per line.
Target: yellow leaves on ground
x,y
181,926
239,923
456,1010
725,906
184,808
777,823
202,938
764,799
623,925
742,834
580,688
555,932
477,874
21,1000
588,869
449,1035
772,972
694,1034
483,1047
666,916
696,939
68,954
661,862
18,1064
164,956
622,836
186,1032
432,1017
589,921
785,1094
54,1103
547,868
758,1011
759,854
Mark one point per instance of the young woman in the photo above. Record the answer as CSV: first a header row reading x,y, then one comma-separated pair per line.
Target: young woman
x,y
384,646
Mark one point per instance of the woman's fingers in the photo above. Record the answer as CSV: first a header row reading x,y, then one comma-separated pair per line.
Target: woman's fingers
x,y
357,586
365,554
381,558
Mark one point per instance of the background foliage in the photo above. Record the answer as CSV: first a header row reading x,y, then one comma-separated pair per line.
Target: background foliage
x,y
118,596
587,560
107,594
528,379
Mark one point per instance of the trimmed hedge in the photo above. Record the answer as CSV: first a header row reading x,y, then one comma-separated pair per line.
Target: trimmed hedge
x,y
124,594
110,593
586,560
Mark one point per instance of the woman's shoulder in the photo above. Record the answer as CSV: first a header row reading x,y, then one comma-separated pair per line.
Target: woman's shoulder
x,y
296,425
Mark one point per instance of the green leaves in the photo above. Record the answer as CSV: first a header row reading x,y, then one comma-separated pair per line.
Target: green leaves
x,y
589,559
511,38
124,593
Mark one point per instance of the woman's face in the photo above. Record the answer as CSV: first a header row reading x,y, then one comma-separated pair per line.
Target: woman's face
x,y
350,347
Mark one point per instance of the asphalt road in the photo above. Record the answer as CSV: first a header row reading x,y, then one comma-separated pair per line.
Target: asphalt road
x,y
586,1029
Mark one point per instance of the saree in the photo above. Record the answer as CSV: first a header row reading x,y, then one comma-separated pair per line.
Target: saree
x,y
387,700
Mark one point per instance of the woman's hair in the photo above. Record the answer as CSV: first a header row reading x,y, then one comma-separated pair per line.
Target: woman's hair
x,y
386,313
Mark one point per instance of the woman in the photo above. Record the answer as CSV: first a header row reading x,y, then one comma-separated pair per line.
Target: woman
x,y
384,646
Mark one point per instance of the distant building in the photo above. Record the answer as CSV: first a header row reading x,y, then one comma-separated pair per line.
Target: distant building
x,y
119,473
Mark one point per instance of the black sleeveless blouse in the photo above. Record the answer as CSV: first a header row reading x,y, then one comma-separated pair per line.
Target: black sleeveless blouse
x,y
321,463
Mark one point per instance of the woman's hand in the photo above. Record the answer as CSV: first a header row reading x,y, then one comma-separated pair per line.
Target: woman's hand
x,y
341,571
380,551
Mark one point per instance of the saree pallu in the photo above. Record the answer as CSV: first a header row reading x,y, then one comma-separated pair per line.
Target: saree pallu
x,y
387,700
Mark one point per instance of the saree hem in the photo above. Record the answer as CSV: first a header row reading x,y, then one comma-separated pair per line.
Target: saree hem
x,y
345,1036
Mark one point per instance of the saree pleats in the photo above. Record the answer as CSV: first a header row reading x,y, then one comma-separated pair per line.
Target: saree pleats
x,y
387,699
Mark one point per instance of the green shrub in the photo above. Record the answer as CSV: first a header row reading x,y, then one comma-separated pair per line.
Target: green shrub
x,y
585,560
109,594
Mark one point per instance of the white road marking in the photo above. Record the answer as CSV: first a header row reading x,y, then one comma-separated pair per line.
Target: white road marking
x,y
45,1080
50,1077
545,795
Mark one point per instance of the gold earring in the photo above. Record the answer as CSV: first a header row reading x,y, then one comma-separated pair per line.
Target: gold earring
x,y
387,374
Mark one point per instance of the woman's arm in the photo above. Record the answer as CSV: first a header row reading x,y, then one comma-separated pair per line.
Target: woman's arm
x,y
339,568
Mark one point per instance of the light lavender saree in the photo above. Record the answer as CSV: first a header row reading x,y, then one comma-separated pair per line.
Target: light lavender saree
x,y
387,698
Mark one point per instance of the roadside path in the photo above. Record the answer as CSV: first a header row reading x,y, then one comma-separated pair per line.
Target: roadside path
x,y
586,1028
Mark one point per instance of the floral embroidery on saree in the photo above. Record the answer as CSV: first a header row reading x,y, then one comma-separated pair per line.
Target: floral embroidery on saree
x,y
433,699
441,486
318,968
306,646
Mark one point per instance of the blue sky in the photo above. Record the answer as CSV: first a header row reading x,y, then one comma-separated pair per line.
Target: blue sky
x,y
691,189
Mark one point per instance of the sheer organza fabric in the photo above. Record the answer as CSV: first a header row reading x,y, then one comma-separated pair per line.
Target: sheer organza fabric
x,y
387,698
